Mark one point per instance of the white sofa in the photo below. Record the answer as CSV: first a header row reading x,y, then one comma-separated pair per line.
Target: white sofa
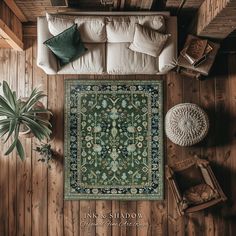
x,y
108,43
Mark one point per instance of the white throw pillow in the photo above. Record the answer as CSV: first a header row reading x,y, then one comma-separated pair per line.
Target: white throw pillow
x,y
58,23
148,41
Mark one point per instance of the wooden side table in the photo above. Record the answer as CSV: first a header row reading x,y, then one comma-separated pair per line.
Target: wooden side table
x,y
185,68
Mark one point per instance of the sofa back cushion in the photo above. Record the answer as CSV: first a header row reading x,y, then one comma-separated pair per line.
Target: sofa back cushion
x,y
121,28
58,23
92,28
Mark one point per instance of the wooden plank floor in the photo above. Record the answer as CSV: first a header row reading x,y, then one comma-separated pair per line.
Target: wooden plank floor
x,y
31,196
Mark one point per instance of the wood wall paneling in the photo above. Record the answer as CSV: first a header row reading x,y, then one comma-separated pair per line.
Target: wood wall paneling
x,y
10,27
30,29
185,4
63,3
32,9
4,181
3,43
173,3
193,4
12,171
16,10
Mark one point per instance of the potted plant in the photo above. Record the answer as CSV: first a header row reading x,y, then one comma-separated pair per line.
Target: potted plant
x,y
22,116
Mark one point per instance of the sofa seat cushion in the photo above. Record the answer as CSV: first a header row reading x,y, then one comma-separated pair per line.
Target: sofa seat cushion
x,y
121,28
92,62
122,60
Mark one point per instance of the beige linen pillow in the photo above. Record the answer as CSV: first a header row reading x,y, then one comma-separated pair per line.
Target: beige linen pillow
x,y
148,41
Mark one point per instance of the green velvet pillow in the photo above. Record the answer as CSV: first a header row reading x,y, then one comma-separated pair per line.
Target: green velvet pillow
x,y
67,46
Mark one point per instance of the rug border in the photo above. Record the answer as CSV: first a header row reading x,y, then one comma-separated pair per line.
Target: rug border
x,y
127,197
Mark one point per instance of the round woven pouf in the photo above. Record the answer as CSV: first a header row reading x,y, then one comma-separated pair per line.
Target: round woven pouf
x,y
186,124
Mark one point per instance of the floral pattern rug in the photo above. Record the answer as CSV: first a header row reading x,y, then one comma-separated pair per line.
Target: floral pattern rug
x,y
113,140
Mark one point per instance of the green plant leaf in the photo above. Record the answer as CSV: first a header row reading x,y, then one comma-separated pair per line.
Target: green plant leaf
x,y
4,127
40,131
36,118
10,149
35,96
20,150
5,121
5,104
4,112
40,111
33,102
45,122
14,96
9,95
13,145
12,127
3,130
45,127
23,108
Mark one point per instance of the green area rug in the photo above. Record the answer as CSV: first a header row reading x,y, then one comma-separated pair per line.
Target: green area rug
x,y
113,140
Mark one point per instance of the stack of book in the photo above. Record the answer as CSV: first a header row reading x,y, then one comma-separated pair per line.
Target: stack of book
x,y
196,51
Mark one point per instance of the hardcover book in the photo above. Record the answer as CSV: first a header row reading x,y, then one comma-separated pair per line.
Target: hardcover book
x,y
196,50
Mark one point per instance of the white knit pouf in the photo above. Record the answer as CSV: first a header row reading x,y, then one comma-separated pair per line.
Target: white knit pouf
x,y
186,124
